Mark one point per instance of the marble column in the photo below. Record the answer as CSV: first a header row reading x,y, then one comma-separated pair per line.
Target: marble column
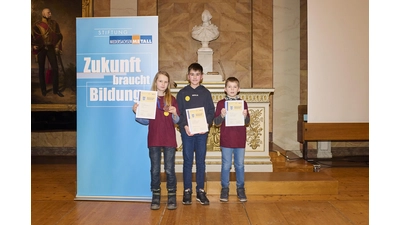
x,y
286,32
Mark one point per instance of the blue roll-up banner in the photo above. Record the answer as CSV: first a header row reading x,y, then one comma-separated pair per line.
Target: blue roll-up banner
x,y
116,57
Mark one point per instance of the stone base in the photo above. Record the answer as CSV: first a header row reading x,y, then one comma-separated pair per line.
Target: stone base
x,y
253,163
336,152
212,78
209,85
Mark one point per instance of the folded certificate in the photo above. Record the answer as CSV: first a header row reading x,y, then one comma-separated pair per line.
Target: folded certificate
x,y
197,121
234,113
147,105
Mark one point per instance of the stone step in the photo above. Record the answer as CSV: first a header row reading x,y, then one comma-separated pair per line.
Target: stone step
x,y
291,175
289,162
268,183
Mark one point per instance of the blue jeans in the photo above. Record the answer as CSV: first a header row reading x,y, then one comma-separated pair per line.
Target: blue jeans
x,y
191,144
238,154
169,167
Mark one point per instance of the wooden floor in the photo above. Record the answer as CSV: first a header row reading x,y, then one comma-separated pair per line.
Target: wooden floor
x,y
54,188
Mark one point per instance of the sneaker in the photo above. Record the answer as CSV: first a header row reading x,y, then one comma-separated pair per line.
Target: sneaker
x,y
155,200
171,203
187,197
202,198
241,195
224,195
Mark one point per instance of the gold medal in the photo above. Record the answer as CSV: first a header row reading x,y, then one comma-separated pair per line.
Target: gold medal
x,y
187,98
166,113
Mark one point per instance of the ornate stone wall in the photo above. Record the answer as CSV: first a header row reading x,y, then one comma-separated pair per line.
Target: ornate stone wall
x,y
244,48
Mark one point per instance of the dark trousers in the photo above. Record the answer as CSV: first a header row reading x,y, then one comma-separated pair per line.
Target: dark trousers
x,y
194,146
169,167
50,52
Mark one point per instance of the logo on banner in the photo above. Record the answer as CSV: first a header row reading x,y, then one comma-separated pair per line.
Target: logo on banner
x,y
134,39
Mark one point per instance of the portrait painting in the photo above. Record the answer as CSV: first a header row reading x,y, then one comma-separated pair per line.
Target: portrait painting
x,y
65,14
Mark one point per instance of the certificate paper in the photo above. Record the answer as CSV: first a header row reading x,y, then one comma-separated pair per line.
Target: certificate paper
x,y
234,113
197,121
147,105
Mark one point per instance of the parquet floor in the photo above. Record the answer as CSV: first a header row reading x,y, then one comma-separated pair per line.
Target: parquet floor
x,y
53,188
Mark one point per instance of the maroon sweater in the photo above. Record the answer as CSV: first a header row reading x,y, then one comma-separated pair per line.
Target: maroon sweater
x,y
162,128
231,137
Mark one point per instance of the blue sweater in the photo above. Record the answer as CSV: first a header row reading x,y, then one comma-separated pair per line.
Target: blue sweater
x,y
189,98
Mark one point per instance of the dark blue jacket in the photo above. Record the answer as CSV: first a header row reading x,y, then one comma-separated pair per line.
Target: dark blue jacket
x,y
189,98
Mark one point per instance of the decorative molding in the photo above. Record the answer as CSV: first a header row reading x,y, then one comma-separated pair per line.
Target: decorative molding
x,y
53,107
255,130
87,8
53,151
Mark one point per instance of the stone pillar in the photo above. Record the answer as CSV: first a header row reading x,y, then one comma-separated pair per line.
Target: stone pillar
x,y
286,78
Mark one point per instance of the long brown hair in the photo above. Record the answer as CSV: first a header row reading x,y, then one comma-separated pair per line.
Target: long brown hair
x,y
167,93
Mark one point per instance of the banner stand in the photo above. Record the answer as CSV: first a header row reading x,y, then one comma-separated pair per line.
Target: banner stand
x,y
116,57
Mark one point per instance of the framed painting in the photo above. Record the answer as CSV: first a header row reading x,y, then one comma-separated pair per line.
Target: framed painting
x,y
65,14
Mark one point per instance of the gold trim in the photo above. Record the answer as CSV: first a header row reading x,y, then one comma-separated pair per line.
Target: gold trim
x,y
87,8
255,130
258,97
53,107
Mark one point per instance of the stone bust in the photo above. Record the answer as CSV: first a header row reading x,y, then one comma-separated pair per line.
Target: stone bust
x,y
205,32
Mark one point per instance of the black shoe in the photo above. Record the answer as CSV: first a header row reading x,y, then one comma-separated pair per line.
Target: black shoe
x,y
171,203
59,94
155,200
187,197
224,195
241,195
44,92
202,198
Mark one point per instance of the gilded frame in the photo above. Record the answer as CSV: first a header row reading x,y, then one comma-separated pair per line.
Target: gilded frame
x,y
87,8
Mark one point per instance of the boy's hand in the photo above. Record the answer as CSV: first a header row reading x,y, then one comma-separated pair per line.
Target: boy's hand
x,y
187,130
245,113
223,112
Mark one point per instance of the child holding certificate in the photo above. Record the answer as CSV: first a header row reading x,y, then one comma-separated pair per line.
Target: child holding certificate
x,y
232,137
161,136
195,99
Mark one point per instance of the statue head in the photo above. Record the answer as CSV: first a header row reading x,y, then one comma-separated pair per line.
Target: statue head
x,y
206,16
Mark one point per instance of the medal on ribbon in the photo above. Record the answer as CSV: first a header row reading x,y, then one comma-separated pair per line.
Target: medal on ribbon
x,y
166,109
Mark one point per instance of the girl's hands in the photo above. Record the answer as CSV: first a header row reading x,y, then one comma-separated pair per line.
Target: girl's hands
x,y
172,109
134,107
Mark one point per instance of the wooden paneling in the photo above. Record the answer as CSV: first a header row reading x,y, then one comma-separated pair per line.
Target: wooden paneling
x,y
335,131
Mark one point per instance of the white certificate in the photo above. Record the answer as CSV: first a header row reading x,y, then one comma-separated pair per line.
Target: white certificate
x,y
234,113
197,121
147,105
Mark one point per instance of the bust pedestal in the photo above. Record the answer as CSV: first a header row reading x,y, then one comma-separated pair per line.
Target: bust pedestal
x,y
205,58
257,157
